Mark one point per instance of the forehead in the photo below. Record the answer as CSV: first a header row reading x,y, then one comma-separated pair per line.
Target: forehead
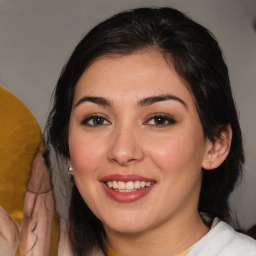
x,y
138,75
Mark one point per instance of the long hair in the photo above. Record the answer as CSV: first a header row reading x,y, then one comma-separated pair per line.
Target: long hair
x,y
196,57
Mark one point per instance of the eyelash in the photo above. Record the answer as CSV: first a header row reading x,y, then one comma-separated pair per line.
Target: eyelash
x,y
93,119
161,117
166,118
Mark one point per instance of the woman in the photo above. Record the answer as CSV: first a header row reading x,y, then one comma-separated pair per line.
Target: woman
x,y
144,116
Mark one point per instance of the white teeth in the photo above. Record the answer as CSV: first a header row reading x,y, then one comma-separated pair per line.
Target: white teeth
x,y
126,190
115,184
143,184
110,184
137,184
148,184
129,186
121,185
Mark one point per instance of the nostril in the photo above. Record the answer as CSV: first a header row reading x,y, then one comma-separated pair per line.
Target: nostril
x,y
125,157
124,160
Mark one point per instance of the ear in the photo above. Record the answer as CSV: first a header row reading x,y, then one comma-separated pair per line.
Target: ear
x,y
217,151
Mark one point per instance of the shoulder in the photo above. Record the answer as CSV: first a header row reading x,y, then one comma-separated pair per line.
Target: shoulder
x,y
223,240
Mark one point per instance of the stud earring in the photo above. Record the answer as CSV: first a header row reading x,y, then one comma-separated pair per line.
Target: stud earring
x,y
210,163
70,168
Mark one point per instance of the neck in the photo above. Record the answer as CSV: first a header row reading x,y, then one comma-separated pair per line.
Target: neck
x,y
171,238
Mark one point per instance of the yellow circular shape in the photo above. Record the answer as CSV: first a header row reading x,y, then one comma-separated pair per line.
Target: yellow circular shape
x,y
20,137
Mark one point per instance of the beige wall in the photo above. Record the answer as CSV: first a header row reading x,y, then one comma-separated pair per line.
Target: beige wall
x,y
36,38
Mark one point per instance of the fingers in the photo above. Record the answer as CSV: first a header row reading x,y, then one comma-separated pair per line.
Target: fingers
x,y
9,234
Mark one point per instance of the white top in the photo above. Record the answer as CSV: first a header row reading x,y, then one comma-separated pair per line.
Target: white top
x,y
223,240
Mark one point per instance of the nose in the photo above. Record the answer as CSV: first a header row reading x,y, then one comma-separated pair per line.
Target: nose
x,y
125,147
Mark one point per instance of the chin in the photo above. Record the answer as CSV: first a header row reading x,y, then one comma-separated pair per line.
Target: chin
x,y
128,229
128,226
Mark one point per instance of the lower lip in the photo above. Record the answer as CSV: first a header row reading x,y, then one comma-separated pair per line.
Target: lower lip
x,y
127,196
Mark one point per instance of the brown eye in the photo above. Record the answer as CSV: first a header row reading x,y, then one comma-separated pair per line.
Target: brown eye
x,y
98,120
95,120
161,120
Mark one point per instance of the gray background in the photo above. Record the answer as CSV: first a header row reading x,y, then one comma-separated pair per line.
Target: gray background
x,y
37,37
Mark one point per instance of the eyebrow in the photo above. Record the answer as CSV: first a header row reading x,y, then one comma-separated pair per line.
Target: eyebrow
x,y
141,103
97,100
151,100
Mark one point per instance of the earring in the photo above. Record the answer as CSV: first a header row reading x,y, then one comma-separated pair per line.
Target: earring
x,y
210,163
70,168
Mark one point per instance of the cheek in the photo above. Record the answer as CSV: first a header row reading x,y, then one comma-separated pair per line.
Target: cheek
x,y
178,153
179,164
85,153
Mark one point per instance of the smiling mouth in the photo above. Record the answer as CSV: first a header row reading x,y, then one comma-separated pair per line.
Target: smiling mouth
x,y
129,186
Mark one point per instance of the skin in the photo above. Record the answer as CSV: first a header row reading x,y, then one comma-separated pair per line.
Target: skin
x,y
38,210
9,234
130,141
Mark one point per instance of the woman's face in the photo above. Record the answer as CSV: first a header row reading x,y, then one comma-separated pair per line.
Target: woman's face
x,y
136,143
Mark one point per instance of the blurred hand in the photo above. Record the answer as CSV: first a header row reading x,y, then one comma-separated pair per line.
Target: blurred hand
x,y
9,234
38,210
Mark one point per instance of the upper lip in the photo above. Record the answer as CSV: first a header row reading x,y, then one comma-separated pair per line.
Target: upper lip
x,y
125,178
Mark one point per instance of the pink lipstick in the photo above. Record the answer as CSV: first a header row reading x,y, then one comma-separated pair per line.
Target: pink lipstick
x,y
127,188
